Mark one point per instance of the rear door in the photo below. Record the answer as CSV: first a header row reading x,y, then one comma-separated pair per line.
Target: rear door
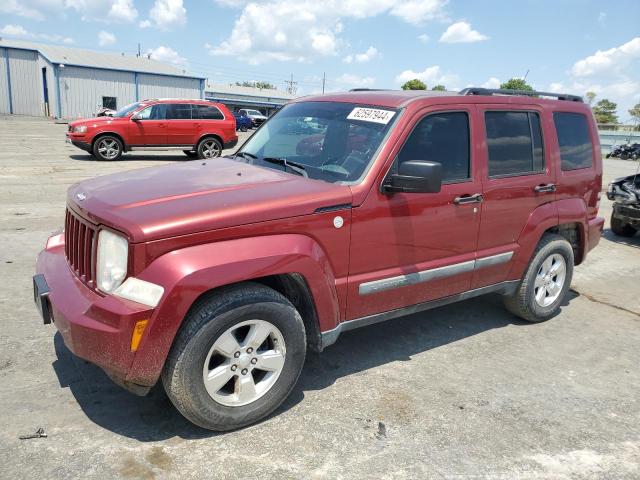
x,y
207,119
182,129
150,128
518,179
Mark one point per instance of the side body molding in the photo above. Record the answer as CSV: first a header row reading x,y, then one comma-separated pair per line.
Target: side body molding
x,y
188,273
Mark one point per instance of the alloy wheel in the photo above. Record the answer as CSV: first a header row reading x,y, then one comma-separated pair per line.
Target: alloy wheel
x,y
244,363
550,280
210,149
108,148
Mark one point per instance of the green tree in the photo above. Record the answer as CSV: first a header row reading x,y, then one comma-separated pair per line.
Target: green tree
x,y
591,96
516,84
605,111
439,88
635,113
414,84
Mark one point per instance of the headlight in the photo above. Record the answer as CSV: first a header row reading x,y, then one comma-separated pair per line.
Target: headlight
x,y
80,129
111,268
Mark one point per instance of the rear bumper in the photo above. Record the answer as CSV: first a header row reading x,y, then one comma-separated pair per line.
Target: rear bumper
x,y
230,143
594,232
94,327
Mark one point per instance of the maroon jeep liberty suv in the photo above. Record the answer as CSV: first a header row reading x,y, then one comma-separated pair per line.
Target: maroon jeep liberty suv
x,y
341,211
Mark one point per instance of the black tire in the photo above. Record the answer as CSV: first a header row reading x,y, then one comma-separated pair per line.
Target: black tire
x,y
523,302
107,148
624,156
210,317
608,155
243,128
190,154
620,228
209,144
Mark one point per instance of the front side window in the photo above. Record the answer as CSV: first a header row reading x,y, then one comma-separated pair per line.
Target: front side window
x,y
330,141
206,112
179,111
515,143
576,150
153,112
441,138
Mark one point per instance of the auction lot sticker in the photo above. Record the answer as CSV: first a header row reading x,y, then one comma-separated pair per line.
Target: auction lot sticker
x,y
371,115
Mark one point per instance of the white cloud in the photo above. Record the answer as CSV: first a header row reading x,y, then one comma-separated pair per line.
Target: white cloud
x,y
493,82
354,81
106,38
166,14
231,3
368,55
19,31
32,9
461,32
606,61
106,11
424,38
167,55
431,76
285,30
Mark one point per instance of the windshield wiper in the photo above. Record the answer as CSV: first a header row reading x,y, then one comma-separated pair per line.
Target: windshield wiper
x,y
294,166
245,155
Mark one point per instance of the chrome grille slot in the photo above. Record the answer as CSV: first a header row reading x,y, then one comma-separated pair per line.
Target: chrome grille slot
x,y
80,238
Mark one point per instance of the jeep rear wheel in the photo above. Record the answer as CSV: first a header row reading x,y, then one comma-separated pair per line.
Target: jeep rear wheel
x,y
236,358
209,148
545,282
107,147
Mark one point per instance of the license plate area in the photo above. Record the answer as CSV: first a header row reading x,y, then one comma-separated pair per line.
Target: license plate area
x,y
41,297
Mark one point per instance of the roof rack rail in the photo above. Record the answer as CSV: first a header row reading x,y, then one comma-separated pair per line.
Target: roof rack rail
x,y
528,93
368,90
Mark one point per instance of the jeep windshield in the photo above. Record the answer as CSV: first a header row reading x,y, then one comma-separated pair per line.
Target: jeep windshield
x,y
331,141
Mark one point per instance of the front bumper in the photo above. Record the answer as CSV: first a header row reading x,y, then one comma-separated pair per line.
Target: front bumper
x,y
628,213
79,140
94,327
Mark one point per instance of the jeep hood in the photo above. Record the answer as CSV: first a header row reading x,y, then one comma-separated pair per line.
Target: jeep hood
x,y
183,198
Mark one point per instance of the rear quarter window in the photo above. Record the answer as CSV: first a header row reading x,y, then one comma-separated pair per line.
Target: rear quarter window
x,y
576,149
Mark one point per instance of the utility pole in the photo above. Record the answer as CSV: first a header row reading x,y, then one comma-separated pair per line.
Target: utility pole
x,y
525,76
138,49
324,78
291,86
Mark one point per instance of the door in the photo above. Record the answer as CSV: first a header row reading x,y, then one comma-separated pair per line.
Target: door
x,y
150,128
182,129
518,179
408,248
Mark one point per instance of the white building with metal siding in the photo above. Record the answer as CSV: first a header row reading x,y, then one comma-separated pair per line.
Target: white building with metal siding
x,y
51,80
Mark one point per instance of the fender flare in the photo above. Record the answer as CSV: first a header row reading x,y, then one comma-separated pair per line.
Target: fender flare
x,y
543,218
188,273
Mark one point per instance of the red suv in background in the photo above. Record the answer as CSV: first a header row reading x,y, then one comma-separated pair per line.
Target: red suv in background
x,y
198,127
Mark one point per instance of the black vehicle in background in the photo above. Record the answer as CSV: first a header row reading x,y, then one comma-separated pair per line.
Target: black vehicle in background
x,y
625,193
625,152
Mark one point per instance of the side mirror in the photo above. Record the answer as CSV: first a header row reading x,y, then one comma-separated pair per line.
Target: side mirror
x,y
135,118
415,176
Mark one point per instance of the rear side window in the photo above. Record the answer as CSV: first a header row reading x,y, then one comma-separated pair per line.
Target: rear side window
x,y
576,150
179,111
442,138
515,143
206,112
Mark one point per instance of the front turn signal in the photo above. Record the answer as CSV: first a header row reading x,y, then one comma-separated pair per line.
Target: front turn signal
x,y
136,336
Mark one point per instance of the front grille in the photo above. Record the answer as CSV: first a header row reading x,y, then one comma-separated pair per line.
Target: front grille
x,y
79,246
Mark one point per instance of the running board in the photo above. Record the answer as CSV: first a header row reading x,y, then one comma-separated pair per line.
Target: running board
x,y
162,148
329,337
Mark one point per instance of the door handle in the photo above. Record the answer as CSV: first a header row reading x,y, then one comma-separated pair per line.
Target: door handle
x,y
464,199
549,187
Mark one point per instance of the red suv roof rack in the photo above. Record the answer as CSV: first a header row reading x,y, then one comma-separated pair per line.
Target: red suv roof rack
x,y
528,93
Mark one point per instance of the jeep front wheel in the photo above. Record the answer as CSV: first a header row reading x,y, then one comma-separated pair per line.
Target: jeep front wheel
x,y
621,228
545,282
107,148
236,358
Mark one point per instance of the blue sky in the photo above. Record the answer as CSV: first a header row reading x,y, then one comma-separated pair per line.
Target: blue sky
x,y
571,45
